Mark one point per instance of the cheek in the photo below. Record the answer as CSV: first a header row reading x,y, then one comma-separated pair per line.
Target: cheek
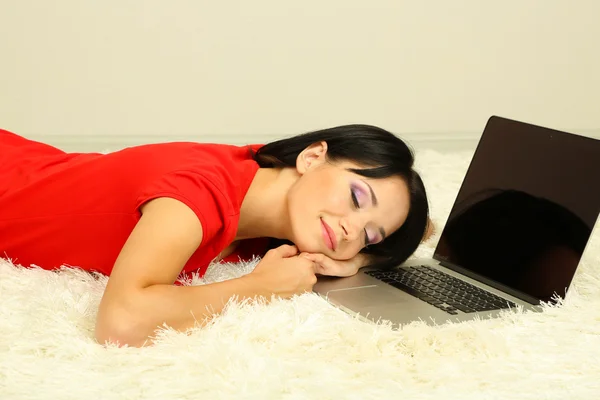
x,y
327,199
335,204
336,197
330,191
303,217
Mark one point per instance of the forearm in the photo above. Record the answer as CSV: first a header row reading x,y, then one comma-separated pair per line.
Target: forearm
x,y
179,307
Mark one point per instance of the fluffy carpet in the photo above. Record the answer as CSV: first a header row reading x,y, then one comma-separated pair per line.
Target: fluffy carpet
x,y
301,348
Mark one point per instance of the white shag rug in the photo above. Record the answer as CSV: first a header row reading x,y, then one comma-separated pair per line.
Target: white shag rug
x,y
301,348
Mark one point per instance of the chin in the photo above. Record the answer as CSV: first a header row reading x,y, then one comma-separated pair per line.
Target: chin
x,y
308,246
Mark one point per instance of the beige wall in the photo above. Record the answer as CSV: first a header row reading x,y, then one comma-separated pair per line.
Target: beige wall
x,y
260,68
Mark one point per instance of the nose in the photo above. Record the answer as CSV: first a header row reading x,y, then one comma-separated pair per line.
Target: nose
x,y
351,228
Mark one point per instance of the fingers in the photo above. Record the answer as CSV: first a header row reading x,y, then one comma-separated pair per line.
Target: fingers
x,y
308,256
318,261
285,251
330,267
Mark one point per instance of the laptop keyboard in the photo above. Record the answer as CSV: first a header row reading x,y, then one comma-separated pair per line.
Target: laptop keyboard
x,y
441,290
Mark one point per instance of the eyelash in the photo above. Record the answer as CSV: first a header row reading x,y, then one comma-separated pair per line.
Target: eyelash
x,y
357,206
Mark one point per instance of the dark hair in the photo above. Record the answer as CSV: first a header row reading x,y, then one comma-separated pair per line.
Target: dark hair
x,y
384,155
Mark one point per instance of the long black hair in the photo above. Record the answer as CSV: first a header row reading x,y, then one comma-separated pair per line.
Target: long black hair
x,y
383,155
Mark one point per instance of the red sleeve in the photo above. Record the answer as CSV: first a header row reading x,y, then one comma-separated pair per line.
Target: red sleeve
x,y
197,192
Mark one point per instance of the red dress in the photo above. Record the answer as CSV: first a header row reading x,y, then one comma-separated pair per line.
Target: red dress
x,y
78,209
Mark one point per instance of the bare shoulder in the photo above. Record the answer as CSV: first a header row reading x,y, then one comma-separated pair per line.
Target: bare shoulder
x,y
163,240
169,217
166,204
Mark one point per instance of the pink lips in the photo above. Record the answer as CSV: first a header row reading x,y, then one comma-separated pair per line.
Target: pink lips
x,y
328,235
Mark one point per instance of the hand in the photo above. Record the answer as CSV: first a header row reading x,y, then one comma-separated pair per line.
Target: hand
x,y
328,266
283,273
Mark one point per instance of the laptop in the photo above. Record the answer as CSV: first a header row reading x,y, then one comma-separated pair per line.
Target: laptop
x,y
515,235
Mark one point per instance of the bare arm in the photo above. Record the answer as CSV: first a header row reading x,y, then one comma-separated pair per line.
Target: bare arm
x,y
140,295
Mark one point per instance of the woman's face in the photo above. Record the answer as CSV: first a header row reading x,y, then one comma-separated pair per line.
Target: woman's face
x,y
337,212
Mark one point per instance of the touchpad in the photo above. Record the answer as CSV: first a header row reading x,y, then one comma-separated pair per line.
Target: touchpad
x,y
368,296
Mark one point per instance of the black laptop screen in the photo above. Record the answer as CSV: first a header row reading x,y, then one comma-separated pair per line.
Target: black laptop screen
x,y
525,210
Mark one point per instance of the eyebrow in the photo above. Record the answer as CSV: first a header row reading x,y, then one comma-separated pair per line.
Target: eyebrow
x,y
375,203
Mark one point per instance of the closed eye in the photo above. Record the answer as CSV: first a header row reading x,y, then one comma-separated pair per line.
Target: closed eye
x,y
354,199
356,204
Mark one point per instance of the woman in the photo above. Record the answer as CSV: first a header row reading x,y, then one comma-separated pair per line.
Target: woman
x,y
346,197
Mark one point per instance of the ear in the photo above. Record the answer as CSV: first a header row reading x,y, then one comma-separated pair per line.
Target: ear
x,y
312,156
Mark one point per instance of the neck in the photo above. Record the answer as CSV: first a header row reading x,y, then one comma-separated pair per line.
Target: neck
x,y
264,211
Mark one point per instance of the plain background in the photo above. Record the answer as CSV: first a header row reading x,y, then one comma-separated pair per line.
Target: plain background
x,y
248,71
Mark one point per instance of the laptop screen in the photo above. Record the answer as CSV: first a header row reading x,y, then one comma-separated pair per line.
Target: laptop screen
x,y
525,210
